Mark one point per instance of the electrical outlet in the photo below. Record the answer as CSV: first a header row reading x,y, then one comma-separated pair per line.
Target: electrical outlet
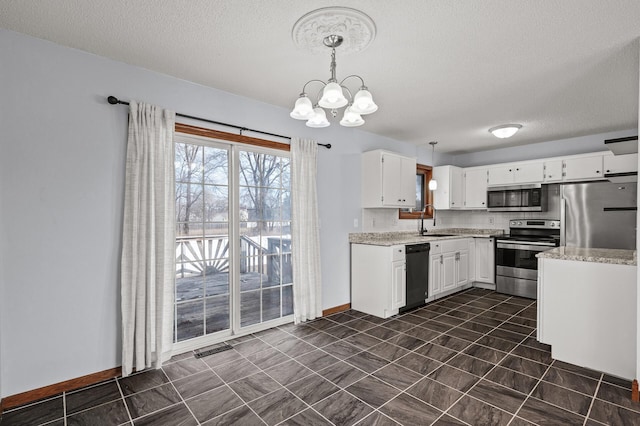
x,y
491,220
355,223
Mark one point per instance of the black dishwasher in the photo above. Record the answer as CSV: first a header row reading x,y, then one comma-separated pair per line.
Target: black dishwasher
x,y
417,260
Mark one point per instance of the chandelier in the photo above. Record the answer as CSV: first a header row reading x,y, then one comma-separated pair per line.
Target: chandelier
x,y
327,24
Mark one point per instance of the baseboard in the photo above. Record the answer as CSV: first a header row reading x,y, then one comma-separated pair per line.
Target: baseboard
x,y
487,286
336,309
58,388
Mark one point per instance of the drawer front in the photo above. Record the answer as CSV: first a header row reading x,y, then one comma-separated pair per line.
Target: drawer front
x,y
455,245
436,247
398,253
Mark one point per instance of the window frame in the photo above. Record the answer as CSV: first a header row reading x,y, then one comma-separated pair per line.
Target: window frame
x,y
427,172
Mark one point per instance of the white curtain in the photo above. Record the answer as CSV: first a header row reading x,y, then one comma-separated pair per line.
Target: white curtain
x,y
307,291
148,239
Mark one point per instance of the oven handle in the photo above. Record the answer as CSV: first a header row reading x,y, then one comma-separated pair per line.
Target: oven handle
x,y
530,247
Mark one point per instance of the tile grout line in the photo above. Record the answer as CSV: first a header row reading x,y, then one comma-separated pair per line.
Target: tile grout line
x,y
593,400
184,402
124,401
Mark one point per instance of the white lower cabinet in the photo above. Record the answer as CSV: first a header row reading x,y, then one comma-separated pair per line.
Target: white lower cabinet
x,y
485,260
398,284
378,279
448,266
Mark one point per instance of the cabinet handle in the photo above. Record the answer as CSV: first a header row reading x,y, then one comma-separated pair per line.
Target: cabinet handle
x,y
608,171
517,170
483,203
597,172
441,262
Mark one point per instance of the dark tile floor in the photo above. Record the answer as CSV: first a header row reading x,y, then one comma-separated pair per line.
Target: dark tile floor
x,y
469,359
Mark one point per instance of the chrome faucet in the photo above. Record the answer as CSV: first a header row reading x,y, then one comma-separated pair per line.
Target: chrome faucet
x,y
422,231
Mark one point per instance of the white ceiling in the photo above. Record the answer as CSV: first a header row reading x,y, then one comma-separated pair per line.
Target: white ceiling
x,y
439,70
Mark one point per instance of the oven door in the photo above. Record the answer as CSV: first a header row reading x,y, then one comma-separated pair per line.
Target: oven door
x,y
518,259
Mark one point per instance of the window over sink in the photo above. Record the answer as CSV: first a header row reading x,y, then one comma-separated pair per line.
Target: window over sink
x,y
423,195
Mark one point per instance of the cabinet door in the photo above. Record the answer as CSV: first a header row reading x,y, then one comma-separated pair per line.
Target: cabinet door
x,y
435,274
398,285
621,163
529,173
583,168
457,187
408,182
553,171
462,267
475,189
391,176
501,175
485,260
449,266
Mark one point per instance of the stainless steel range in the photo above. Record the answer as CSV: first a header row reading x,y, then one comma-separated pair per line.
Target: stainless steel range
x,y
516,262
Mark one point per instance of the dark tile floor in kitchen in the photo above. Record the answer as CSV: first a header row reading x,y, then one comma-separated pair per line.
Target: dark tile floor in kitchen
x,y
471,358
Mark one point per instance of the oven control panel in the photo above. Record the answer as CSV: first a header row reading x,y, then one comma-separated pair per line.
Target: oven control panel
x,y
534,223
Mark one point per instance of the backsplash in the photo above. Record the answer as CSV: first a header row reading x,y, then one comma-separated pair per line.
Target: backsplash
x,y
386,220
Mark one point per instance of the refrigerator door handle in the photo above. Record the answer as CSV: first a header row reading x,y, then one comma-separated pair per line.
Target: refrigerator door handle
x,y
563,228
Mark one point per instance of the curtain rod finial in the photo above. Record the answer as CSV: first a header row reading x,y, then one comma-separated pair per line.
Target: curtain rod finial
x,y
112,100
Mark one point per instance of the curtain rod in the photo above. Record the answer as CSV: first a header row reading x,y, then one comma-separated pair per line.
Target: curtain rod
x,y
115,101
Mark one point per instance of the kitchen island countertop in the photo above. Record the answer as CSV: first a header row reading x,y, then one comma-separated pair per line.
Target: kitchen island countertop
x,y
412,237
594,255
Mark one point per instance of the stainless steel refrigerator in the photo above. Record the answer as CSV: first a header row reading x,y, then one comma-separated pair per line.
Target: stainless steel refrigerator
x,y
598,215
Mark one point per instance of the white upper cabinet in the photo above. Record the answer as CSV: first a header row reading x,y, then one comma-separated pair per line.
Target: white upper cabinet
x,y
475,188
627,163
388,180
516,173
449,194
583,168
553,171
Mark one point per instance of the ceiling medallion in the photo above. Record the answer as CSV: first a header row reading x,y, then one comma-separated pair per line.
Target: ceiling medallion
x,y
356,29
334,28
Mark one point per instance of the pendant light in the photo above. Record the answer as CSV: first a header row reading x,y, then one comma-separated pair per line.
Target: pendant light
x,y
433,184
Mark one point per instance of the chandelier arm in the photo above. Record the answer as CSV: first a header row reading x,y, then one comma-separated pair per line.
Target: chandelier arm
x,y
353,75
348,92
304,88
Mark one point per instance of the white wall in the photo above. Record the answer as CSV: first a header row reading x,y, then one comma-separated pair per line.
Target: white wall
x,y
61,185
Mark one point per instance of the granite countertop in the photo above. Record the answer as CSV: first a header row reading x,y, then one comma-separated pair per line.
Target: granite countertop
x,y
411,237
596,255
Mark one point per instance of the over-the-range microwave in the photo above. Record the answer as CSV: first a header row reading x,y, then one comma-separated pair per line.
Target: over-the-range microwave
x,y
520,198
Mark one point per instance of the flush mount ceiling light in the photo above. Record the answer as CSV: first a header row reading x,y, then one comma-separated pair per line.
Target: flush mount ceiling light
x,y
505,130
351,31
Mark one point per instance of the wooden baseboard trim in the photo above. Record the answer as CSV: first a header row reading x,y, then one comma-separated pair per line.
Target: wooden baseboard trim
x,y
635,396
336,309
58,388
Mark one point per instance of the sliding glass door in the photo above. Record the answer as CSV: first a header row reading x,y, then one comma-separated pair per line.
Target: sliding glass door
x,y
233,239
265,241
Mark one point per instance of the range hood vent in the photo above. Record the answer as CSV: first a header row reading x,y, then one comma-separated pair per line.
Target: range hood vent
x,y
620,146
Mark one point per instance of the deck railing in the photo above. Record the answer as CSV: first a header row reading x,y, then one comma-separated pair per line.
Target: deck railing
x,y
196,255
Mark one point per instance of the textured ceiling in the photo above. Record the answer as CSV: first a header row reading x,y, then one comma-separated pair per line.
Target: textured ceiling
x,y
439,70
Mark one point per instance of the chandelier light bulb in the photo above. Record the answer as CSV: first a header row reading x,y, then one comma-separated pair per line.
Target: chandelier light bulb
x,y
332,96
363,102
351,118
505,130
303,109
319,119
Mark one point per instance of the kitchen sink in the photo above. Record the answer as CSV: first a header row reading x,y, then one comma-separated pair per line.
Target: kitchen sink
x,y
438,235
